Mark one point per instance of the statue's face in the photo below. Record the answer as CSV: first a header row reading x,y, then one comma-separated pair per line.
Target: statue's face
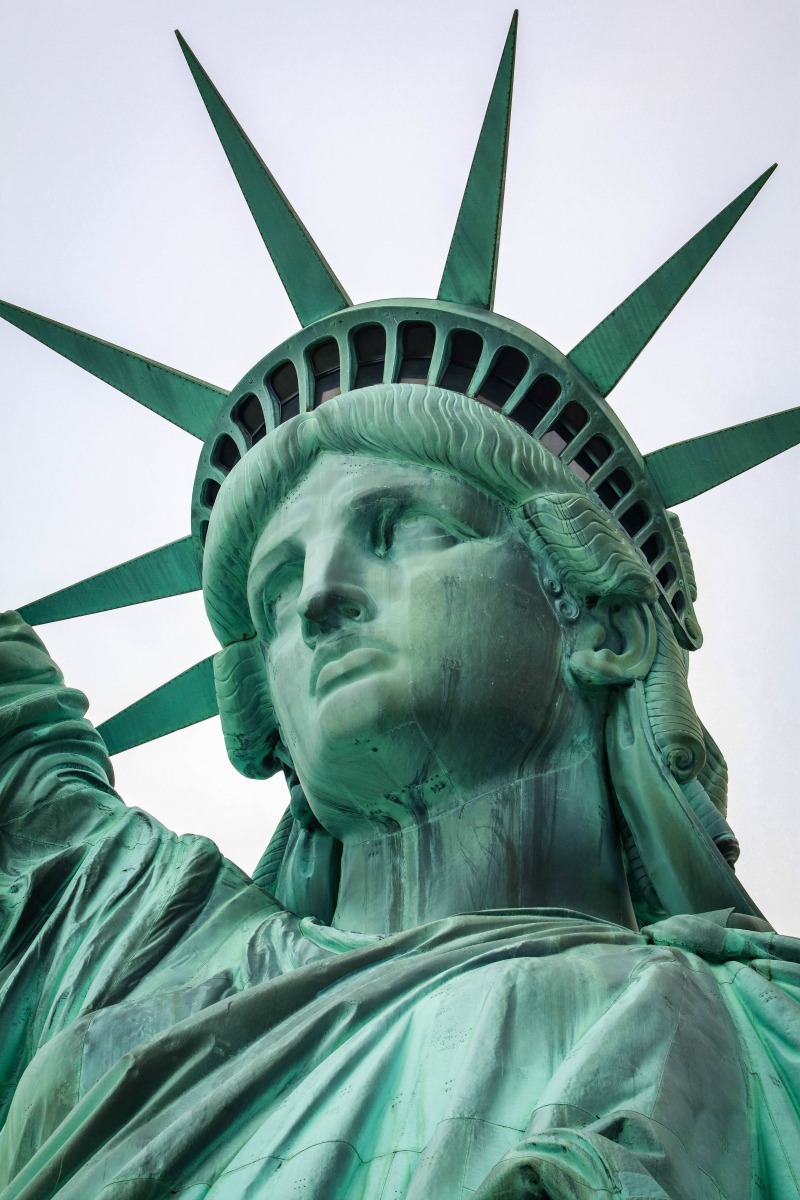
x,y
410,646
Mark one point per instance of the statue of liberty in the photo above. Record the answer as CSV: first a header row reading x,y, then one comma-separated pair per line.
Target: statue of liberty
x,y
496,946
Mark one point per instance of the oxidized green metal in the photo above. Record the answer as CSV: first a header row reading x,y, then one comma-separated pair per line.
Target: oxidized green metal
x,y
471,267
605,354
185,700
687,469
309,282
510,369
496,946
187,402
536,389
169,571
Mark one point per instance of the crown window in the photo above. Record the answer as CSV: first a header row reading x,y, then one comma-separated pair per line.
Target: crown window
x,y
465,352
634,518
567,425
284,386
370,345
418,343
249,416
225,454
590,457
537,402
678,602
667,575
614,487
508,371
327,374
210,492
653,548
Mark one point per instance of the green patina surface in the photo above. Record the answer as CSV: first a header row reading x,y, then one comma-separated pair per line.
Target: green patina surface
x,y
605,354
496,946
471,267
168,571
185,401
310,284
185,700
689,468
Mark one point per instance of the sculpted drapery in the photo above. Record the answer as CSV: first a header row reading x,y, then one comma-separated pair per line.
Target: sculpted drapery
x,y
169,1029
496,947
499,1027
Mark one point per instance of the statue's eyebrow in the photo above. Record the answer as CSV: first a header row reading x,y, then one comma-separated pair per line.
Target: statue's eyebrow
x,y
462,504
384,493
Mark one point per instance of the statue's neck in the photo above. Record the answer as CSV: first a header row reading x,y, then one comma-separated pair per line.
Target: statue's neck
x,y
548,840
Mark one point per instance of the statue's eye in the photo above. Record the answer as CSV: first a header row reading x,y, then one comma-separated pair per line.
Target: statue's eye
x,y
412,532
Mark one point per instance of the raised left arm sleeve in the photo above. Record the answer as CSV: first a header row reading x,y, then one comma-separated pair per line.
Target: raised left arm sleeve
x,y
93,894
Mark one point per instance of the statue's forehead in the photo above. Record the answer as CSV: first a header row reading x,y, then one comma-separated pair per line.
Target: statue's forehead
x,y
338,488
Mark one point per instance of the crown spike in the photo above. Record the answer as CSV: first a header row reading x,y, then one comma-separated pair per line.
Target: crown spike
x,y
187,402
605,354
471,267
169,571
687,469
310,284
185,700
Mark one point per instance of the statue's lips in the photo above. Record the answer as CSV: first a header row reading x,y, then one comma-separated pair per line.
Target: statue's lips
x,y
347,666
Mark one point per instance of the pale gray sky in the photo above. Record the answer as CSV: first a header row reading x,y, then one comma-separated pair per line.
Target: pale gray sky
x,y
633,124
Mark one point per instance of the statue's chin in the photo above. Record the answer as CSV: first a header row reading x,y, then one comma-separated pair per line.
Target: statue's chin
x,y
367,762
359,703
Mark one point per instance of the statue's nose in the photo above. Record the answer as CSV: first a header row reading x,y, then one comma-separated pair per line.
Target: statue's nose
x,y
332,596
330,609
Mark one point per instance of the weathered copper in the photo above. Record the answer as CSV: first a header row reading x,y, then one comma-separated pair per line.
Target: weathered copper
x,y
496,946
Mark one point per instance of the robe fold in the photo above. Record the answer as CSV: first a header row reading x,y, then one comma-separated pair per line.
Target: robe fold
x,y
168,1029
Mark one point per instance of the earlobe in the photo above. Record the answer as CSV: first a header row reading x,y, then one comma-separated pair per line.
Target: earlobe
x,y
615,643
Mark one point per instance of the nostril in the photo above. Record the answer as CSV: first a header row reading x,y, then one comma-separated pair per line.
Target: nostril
x,y
330,608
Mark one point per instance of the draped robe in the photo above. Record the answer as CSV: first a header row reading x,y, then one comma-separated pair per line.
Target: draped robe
x,y
168,1029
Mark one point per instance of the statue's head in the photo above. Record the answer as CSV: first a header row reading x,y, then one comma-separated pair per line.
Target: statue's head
x,y
418,599
408,560
434,557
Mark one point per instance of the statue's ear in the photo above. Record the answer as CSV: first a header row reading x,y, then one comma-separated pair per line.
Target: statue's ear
x,y
248,719
615,642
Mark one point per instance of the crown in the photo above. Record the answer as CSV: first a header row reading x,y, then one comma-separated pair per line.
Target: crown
x,y
455,342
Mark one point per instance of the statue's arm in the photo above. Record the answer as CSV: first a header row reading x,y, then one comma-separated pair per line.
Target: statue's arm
x,y
94,895
57,806
72,854
56,780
